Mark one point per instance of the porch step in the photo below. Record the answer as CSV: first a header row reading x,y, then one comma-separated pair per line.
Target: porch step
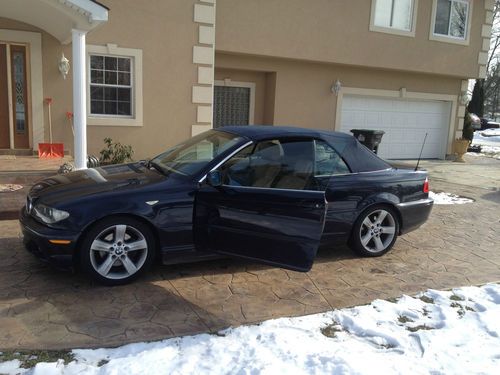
x,y
16,151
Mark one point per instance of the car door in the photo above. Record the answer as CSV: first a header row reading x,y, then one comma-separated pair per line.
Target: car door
x,y
263,209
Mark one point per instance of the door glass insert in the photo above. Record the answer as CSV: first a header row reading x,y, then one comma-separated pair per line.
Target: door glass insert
x,y
231,106
19,85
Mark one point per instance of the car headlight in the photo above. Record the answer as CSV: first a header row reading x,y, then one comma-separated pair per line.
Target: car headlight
x,y
49,215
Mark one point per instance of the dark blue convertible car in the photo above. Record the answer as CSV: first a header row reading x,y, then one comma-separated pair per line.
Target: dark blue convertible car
x,y
266,193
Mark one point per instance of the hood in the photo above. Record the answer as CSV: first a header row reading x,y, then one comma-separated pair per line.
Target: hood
x,y
94,180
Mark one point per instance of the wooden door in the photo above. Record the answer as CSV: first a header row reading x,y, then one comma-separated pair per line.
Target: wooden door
x,y
4,99
19,96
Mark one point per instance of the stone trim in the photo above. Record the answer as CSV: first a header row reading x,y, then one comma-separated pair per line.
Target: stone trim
x,y
486,35
204,60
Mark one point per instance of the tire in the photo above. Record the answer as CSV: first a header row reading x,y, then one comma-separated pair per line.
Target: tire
x,y
117,250
372,237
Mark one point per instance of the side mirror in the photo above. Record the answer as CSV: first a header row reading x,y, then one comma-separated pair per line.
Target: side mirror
x,y
214,178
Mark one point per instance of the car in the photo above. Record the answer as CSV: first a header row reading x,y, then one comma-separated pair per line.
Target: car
x,y
476,122
489,124
270,194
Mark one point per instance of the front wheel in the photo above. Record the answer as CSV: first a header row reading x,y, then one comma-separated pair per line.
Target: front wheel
x,y
375,231
117,250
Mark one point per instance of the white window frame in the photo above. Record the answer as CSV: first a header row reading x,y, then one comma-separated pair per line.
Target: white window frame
x,y
251,85
450,38
136,119
393,30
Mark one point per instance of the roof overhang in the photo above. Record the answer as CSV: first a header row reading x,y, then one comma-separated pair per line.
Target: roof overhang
x,y
57,17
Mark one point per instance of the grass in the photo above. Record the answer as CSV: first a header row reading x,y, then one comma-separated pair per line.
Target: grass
x,y
29,359
421,327
331,329
454,297
426,299
403,319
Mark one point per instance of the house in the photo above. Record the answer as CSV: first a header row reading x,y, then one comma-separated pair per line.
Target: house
x,y
152,73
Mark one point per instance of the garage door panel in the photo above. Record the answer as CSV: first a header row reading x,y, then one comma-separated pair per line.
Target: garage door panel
x,y
404,122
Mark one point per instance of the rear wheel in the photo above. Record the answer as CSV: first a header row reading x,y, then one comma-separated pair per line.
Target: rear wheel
x,y
117,250
375,231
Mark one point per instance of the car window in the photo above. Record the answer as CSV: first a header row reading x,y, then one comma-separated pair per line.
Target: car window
x,y
327,161
192,156
278,164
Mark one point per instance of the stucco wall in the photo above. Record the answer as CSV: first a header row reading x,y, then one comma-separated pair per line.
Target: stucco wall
x,y
338,32
166,33
303,89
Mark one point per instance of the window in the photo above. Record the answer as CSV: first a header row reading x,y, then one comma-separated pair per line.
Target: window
x,y
234,103
284,164
114,77
396,14
110,85
451,18
327,161
191,157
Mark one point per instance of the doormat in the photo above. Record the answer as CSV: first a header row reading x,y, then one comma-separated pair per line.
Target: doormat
x,y
6,188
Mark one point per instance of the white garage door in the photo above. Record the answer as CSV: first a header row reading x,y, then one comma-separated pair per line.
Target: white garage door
x,y
404,121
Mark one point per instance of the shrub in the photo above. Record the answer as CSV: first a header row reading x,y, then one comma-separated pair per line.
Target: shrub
x,y
115,153
468,131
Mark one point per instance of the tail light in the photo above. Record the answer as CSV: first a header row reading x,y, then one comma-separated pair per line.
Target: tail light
x,y
426,185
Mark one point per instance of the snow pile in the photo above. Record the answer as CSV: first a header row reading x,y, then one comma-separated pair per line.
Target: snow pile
x,y
9,187
454,332
489,140
11,367
447,198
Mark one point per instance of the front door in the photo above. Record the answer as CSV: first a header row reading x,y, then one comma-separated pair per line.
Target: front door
x,y
4,99
265,209
14,127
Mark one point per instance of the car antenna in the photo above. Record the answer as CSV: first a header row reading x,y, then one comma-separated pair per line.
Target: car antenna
x,y
421,150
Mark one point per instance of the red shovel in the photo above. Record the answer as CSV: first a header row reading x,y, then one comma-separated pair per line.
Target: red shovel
x,y
50,150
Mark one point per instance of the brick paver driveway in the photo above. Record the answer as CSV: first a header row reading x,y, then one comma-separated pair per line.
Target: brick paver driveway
x,y
41,308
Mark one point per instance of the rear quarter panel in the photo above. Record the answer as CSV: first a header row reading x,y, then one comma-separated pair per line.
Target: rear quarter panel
x,y
349,195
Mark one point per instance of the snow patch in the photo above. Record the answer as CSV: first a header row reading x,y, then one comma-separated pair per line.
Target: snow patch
x,y
447,198
489,140
454,332
12,367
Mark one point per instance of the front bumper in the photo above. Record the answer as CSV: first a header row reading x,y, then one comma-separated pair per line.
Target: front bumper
x,y
36,239
414,214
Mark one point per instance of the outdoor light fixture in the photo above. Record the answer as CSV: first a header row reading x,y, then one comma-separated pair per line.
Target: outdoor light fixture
x,y
336,87
64,66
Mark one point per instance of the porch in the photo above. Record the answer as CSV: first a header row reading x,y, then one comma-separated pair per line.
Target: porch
x,y
23,101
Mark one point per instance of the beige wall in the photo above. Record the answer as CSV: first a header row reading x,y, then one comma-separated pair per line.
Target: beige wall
x,y
303,89
291,87
166,33
338,32
261,84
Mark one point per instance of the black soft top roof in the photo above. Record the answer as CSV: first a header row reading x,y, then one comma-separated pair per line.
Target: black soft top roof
x,y
358,157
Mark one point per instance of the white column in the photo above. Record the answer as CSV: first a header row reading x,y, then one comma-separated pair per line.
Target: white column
x,y
79,98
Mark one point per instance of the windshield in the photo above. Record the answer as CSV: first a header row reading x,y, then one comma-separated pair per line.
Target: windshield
x,y
192,156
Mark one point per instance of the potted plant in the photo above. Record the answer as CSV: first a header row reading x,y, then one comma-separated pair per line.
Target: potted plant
x,y
462,144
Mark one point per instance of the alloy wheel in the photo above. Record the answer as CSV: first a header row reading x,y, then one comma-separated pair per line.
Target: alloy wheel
x,y
377,231
118,252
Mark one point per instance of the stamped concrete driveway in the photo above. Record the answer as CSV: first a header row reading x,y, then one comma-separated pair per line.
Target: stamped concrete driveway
x,y
41,308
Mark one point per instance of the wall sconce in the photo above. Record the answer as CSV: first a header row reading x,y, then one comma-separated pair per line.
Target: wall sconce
x,y
336,87
464,98
64,66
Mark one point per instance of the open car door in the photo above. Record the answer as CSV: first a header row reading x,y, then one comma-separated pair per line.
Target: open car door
x,y
274,226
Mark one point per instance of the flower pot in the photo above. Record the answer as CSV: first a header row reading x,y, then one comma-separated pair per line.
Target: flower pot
x,y
460,147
